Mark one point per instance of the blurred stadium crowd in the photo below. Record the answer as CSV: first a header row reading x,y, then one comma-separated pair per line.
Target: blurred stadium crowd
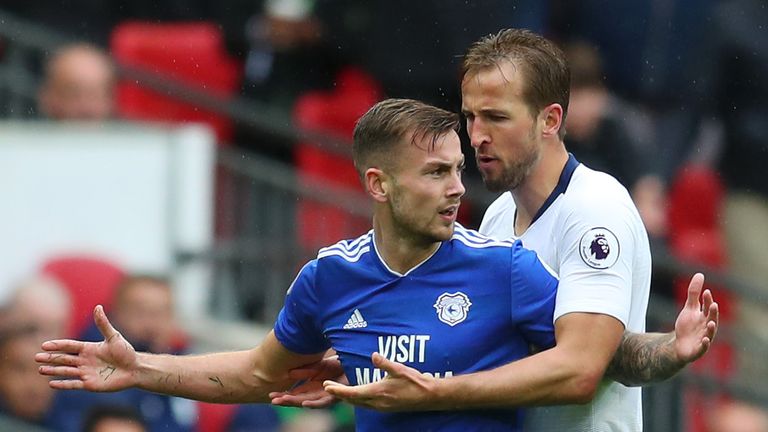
x,y
668,96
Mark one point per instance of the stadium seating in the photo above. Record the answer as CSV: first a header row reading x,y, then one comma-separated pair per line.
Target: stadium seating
x,y
189,53
695,236
91,281
337,111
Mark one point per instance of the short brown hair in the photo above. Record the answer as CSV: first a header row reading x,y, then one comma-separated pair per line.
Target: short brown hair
x,y
542,63
390,121
131,280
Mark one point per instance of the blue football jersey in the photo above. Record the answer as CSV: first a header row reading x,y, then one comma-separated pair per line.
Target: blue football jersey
x,y
475,304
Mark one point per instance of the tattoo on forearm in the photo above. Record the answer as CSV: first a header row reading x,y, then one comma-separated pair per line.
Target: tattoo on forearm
x,y
644,359
217,380
106,372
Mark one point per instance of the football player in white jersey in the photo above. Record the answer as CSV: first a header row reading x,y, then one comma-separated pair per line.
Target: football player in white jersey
x,y
583,224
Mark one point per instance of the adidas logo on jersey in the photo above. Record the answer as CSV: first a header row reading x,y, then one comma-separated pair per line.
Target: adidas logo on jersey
x,y
356,321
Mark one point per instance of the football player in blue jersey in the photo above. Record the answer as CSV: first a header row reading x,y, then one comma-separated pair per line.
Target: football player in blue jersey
x,y
584,225
417,289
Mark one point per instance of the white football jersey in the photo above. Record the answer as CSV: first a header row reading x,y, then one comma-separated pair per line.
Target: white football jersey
x,y
590,232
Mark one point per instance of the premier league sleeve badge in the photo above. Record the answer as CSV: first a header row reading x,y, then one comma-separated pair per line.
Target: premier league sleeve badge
x,y
599,248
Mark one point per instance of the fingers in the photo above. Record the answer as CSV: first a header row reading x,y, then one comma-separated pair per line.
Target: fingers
x,y
714,319
103,324
706,300
339,390
66,384
58,359
323,402
60,371
318,399
714,313
63,345
392,368
694,291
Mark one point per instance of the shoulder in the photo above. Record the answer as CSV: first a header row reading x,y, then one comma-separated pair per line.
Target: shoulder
x,y
348,250
499,206
498,216
467,239
595,193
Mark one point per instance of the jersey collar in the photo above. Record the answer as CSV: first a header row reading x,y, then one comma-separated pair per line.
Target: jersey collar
x,y
560,188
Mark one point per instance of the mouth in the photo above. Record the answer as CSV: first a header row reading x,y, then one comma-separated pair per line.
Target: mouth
x,y
485,160
449,213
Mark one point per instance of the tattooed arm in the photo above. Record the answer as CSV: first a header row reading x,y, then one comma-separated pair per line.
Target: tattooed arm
x,y
645,358
112,365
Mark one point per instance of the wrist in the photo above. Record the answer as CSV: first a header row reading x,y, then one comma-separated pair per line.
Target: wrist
x,y
678,361
443,392
142,371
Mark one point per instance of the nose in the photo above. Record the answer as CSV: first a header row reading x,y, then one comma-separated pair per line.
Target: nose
x,y
477,133
456,189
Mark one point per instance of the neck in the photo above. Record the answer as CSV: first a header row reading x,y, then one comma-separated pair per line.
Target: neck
x,y
538,185
399,251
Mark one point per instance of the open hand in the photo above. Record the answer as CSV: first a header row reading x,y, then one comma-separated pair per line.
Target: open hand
x,y
95,366
403,389
696,325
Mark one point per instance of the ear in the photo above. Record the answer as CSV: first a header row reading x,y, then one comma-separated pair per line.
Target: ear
x,y
377,184
552,119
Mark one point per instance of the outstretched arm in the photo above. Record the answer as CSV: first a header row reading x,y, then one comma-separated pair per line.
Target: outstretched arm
x,y
568,373
112,365
645,358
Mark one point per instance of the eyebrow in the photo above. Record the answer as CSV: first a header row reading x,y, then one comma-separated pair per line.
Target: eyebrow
x,y
444,164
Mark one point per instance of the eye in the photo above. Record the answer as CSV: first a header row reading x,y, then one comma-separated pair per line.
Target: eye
x,y
496,117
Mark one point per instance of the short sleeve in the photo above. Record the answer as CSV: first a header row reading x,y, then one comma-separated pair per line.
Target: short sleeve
x,y
297,325
534,290
597,250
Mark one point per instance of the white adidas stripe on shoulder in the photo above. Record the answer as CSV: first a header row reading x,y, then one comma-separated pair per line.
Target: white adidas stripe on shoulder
x,y
351,251
474,239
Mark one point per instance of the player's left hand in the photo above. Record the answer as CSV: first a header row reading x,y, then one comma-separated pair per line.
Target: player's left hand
x,y
697,323
403,389
309,391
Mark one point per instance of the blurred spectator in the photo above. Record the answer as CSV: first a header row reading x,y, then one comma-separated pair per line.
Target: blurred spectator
x,y
37,310
143,312
732,88
651,52
387,39
608,134
114,418
40,303
737,417
78,84
24,394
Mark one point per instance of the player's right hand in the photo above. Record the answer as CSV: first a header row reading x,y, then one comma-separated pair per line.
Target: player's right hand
x,y
94,366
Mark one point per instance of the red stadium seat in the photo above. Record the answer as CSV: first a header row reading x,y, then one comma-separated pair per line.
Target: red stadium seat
x,y
695,236
320,224
190,53
695,198
214,417
90,281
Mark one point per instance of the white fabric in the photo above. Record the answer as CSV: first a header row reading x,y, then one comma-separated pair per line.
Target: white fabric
x,y
593,203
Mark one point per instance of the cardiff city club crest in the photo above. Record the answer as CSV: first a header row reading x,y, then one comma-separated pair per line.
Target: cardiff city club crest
x,y
452,308
599,248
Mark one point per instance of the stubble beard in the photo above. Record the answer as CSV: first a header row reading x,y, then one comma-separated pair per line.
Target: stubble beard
x,y
513,174
409,226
